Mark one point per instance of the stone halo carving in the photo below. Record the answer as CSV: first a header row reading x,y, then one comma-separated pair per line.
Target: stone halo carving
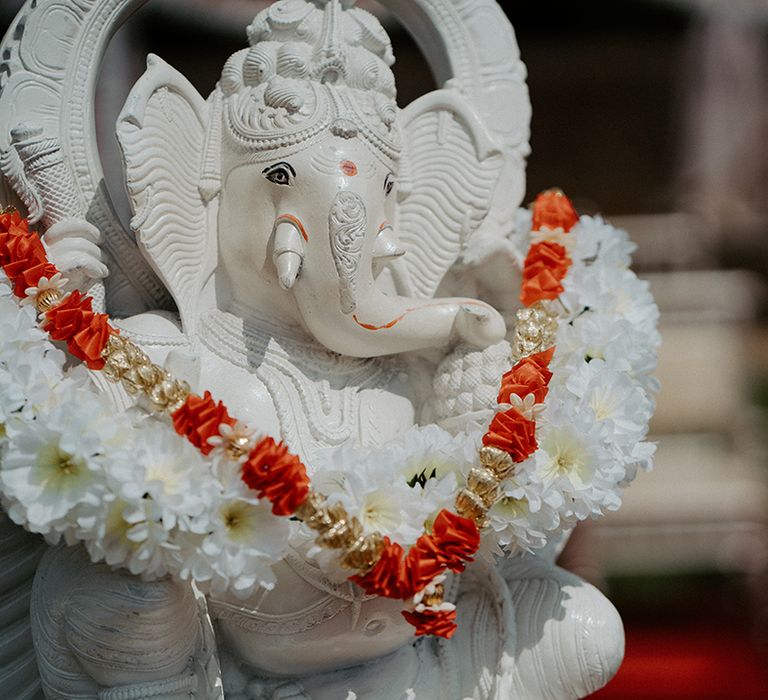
x,y
469,45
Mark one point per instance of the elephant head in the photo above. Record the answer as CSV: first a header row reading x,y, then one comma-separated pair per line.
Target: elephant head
x,y
300,192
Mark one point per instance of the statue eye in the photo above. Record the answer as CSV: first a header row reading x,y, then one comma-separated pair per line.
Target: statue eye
x,y
280,173
389,183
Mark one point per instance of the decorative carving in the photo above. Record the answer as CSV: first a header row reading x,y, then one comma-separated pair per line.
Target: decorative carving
x,y
347,229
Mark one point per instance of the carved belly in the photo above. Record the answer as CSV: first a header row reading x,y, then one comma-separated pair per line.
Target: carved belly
x,y
307,624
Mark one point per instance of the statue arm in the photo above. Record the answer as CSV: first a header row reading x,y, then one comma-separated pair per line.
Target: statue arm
x,y
34,166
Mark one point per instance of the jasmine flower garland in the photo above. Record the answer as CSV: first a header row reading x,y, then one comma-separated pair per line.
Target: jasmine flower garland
x,y
572,415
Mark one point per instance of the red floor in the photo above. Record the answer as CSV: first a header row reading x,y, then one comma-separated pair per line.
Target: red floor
x,y
689,662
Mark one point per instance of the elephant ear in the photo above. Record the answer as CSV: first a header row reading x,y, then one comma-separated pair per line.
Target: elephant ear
x,y
162,131
450,171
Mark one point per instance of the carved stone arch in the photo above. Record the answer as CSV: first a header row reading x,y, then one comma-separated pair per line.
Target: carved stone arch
x,y
471,45
49,65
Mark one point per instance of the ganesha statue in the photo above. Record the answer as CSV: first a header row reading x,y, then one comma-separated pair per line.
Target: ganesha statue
x,y
294,241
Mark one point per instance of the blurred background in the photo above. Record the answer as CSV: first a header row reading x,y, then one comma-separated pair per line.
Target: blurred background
x,y
654,113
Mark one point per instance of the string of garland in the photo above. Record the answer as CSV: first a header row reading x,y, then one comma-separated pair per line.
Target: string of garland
x,y
268,468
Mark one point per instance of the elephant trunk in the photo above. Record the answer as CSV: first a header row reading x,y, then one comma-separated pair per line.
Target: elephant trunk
x,y
345,310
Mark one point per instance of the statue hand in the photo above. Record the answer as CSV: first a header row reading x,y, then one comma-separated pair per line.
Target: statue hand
x,y
73,247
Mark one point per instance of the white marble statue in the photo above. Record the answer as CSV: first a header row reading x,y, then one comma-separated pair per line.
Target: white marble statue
x,y
291,233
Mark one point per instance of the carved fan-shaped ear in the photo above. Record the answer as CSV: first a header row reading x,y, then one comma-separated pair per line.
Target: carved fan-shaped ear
x,y
453,165
161,131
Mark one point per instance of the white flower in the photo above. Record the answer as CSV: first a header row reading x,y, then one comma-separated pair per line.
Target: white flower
x,y
53,467
641,455
381,501
527,406
238,435
245,540
12,395
566,455
618,404
435,453
613,291
554,235
596,238
395,489
56,283
157,466
520,520
131,535
573,461
612,339
430,588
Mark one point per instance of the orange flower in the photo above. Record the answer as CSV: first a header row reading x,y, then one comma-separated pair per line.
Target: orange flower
x,y
11,226
453,541
277,475
390,576
440,623
85,332
512,432
552,209
547,255
545,267
31,276
89,342
68,318
544,286
423,563
456,539
200,418
20,251
529,376
5,239
12,220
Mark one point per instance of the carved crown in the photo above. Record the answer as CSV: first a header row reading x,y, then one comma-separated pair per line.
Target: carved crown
x,y
310,66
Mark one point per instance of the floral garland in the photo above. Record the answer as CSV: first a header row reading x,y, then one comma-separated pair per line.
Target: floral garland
x,y
71,466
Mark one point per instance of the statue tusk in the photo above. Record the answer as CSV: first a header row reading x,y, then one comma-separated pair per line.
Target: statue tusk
x,y
385,248
288,253
288,266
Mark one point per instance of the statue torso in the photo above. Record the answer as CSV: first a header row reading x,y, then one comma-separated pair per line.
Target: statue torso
x,y
289,386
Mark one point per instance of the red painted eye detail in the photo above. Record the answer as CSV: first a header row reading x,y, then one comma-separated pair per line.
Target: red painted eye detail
x,y
348,168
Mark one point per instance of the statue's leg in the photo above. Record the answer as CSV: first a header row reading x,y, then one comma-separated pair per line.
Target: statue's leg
x,y
102,634
570,639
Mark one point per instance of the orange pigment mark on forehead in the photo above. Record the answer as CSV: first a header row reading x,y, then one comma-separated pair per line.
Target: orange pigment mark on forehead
x,y
348,168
